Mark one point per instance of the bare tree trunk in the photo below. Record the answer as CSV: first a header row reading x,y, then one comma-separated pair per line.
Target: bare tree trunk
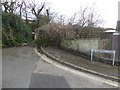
x,y
37,13
6,7
12,7
48,17
26,12
21,8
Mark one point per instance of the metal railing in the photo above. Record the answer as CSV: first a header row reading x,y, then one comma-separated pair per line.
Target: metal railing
x,y
104,51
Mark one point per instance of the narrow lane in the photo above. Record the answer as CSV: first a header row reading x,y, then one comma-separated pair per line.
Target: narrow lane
x,y
22,68
18,64
46,75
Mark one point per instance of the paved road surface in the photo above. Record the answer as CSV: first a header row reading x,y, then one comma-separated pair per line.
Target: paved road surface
x,y
22,68
18,64
0,69
83,62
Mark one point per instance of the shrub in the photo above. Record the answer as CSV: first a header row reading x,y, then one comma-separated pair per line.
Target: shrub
x,y
15,30
5,21
50,34
42,43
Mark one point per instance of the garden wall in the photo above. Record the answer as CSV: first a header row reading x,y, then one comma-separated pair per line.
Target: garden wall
x,y
85,45
81,45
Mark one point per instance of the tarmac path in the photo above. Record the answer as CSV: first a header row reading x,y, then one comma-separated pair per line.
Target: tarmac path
x,y
22,68
17,66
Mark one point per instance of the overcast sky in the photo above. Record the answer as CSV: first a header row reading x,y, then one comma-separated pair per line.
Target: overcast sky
x,y
108,9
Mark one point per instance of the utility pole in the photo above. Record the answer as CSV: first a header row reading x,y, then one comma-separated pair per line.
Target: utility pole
x,y
116,37
119,11
118,29
118,22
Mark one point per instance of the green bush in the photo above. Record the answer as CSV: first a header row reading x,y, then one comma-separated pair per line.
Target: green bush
x,y
15,30
9,43
42,43
5,21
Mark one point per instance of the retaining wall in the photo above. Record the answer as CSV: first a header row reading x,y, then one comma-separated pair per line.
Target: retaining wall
x,y
81,45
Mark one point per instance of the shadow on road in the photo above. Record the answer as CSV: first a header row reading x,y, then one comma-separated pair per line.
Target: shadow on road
x,y
47,81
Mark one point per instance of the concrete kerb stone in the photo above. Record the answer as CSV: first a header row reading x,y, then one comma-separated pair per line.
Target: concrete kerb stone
x,y
79,68
106,79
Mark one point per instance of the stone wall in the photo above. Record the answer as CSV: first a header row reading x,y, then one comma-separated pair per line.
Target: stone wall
x,y
81,45
86,45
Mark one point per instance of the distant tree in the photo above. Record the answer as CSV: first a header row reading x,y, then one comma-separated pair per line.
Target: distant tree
x,y
58,18
86,17
84,22
22,9
8,6
37,11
